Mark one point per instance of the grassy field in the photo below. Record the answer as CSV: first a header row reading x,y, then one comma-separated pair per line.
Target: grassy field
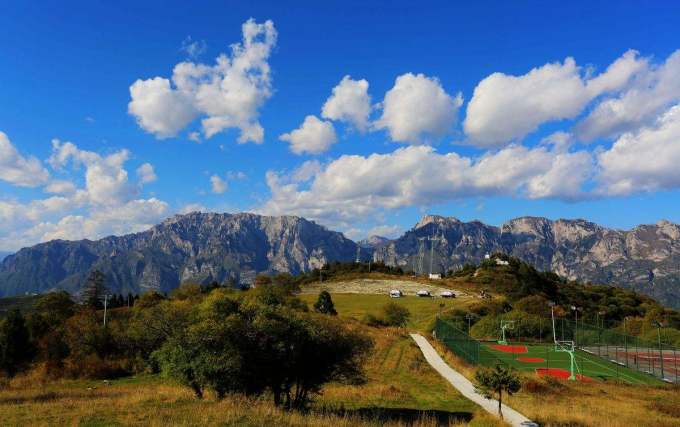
x,y
423,310
401,389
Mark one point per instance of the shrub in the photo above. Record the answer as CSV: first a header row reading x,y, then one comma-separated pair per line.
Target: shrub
x,y
394,314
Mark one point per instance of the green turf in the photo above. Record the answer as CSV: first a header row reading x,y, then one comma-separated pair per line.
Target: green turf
x,y
589,365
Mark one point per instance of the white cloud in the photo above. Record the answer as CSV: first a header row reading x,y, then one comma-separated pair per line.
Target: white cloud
x,y
193,207
418,110
654,89
195,137
385,231
106,180
314,136
506,108
349,102
193,48
306,171
146,173
218,184
227,94
59,186
17,169
160,109
351,188
107,204
645,160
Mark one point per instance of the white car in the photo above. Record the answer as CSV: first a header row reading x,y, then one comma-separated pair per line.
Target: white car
x,y
447,294
395,293
423,293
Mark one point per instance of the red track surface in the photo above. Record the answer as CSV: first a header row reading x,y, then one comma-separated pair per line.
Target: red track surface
x,y
561,374
510,348
531,359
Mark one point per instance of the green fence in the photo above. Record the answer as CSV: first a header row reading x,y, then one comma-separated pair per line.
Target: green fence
x,y
653,358
458,341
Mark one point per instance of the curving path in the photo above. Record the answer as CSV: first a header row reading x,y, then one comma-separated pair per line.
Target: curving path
x,y
464,385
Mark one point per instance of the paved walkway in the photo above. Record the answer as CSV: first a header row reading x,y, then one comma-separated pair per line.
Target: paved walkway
x,y
466,388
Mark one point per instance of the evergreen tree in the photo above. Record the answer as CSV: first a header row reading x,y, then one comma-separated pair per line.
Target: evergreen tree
x,y
16,350
93,293
325,304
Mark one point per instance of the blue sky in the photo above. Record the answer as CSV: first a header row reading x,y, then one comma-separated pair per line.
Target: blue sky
x,y
591,133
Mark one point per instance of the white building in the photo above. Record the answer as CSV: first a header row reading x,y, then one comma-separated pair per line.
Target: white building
x,y
501,262
435,276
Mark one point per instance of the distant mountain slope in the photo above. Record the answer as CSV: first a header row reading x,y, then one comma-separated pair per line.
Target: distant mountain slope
x,y
646,258
4,255
201,247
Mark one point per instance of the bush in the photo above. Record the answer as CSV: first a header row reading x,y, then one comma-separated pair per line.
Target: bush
x,y
394,314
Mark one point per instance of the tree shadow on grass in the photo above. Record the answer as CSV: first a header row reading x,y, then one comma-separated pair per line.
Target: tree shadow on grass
x,y
405,416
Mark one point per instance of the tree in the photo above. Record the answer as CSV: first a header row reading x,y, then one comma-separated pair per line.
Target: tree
x,y
325,304
258,344
395,314
262,279
94,290
16,350
493,382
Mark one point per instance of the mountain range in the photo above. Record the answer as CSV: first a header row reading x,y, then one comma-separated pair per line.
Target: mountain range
x,y
233,248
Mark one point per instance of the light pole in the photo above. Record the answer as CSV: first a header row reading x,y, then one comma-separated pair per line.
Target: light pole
x,y
658,330
552,316
469,318
576,310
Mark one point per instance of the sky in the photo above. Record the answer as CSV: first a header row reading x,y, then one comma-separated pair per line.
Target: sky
x,y
361,117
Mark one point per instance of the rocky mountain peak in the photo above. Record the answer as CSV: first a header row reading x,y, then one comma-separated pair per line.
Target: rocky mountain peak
x,y
435,219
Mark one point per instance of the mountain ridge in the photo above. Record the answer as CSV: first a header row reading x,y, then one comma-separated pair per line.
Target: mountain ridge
x,y
233,248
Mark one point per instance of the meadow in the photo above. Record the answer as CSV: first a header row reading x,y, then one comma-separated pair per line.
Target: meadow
x,y
400,389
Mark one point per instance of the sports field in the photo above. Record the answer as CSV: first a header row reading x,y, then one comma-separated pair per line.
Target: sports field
x,y
542,359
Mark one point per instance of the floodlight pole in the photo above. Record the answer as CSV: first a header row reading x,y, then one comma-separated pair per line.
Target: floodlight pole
x,y
552,316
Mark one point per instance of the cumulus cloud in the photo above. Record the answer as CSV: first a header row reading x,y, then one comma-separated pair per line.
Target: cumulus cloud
x,y
349,103
314,136
417,110
17,169
218,185
226,95
146,173
506,108
109,203
645,160
654,89
352,187
60,186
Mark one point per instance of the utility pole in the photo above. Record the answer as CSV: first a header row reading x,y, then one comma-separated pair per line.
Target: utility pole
x,y
432,240
421,253
358,252
105,301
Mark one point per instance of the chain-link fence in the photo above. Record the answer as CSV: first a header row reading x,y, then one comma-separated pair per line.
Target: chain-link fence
x,y
458,341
